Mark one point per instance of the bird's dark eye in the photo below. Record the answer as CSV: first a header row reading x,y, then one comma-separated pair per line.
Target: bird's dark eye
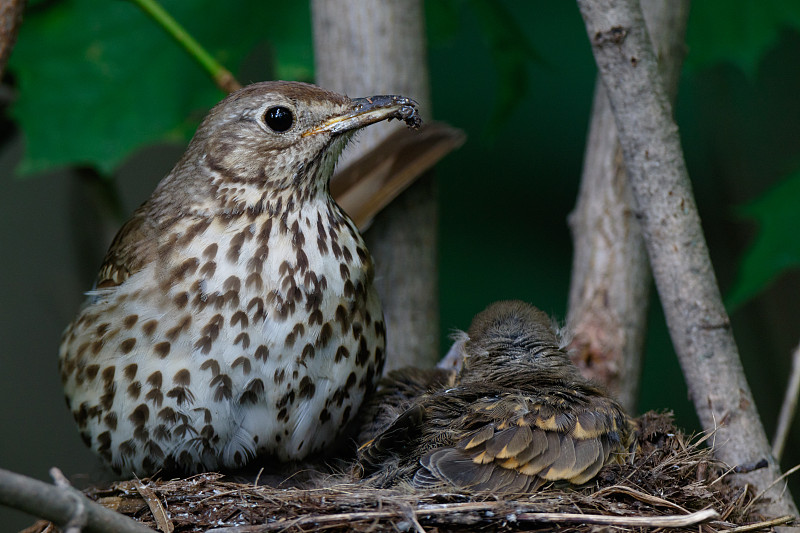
x,y
279,118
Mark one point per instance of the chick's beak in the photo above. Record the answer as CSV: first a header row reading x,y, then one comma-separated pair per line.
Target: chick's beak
x,y
366,111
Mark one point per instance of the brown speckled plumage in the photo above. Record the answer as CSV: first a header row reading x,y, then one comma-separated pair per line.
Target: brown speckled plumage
x,y
234,313
516,416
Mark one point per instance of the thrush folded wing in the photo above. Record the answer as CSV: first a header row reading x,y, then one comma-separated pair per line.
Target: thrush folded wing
x,y
590,457
533,444
129,252
452,466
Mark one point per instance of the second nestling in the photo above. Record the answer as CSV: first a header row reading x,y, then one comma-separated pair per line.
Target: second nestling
x,y
518,415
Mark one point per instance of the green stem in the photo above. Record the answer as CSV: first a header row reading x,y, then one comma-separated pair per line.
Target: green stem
x,y
221,76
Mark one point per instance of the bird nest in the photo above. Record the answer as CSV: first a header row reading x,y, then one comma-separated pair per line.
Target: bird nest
x,y
672,481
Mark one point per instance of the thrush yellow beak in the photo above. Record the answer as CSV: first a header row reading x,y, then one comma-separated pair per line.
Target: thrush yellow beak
x,y
366,111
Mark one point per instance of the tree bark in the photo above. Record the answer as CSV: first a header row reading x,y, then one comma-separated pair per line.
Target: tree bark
x,y
378,47
697,320
10,20
610,286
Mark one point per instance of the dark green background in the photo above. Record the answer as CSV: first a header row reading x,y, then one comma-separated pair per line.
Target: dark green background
x,y
504,196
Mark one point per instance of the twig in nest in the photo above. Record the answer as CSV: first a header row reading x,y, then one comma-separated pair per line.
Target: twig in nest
x,y
630,521
736,502
641,496
427,511
759,525
159,513
411,516
760,494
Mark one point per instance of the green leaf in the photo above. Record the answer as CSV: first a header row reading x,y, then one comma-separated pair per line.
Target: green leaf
x,y
777,245
99,80
511,53
737,31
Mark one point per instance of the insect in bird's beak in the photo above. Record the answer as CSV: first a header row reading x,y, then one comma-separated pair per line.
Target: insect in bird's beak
x,y
366,111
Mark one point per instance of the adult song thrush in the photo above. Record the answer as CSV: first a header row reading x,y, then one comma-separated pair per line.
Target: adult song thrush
x,y
517,415
234,314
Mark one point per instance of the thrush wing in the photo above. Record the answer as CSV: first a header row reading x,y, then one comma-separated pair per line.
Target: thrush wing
x,y
516,443
128,252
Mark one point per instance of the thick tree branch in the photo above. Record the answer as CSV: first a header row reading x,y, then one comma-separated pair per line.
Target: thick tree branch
x,y
697,320
364,48
61,505
610,284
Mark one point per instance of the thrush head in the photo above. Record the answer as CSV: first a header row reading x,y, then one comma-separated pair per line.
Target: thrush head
x,y
234,315
516,416
269,138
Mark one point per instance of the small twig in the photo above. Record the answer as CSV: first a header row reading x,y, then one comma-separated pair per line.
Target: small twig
x,y
411,516
736,503
764,491
788,408
258,477
156,507
222,77
758,525
641,496
58,504
623,521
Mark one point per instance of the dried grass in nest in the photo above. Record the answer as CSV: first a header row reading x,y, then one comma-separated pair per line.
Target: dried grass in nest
x,y
670,475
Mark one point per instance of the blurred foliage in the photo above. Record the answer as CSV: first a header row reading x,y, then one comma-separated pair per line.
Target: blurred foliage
x,y
776,248
741,32
737,31
76,89
511,53
82,65
121,60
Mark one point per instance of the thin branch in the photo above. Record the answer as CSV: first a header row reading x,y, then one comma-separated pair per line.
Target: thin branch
x,y
697,320
451,510
62,505
760,525
221,76
788,408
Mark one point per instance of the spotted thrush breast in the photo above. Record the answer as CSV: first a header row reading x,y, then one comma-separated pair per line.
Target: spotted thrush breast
x,y
234,314
515,416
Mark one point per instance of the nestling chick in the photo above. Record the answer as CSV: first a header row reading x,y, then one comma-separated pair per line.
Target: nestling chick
x,y
516,416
